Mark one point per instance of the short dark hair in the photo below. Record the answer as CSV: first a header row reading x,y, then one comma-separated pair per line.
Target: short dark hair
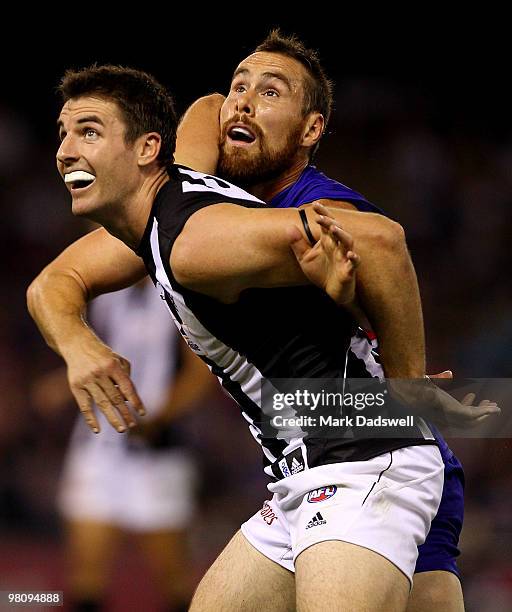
x,y
317,87
145,104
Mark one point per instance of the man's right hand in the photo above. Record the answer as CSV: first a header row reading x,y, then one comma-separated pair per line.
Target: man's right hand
x,y
98,375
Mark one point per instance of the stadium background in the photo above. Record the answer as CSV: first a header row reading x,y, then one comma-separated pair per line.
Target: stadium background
x,y
430,143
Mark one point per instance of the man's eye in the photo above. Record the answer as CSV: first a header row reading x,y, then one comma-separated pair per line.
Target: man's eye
x,y
271,93
90,133
238,88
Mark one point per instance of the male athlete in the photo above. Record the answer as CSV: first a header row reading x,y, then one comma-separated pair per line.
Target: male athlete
x,y
218,256
251,121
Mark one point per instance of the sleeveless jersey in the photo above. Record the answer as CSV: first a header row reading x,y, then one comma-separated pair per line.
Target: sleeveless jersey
x,y
261,336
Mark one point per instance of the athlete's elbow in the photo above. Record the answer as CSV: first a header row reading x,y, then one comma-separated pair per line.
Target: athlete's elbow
x,y
32,295
210,104
395,236
36,292
214,100
50,283
390,236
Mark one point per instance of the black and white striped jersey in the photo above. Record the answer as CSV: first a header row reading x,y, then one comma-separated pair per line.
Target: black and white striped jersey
x,y
266,334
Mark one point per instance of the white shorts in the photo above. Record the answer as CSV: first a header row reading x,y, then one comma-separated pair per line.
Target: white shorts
x,y
385,504
137,491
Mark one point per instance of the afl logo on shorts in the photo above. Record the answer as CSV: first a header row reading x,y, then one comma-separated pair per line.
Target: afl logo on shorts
x,y
319,495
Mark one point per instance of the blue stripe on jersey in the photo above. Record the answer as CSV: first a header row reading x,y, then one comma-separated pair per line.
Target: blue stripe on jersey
x,y
314,185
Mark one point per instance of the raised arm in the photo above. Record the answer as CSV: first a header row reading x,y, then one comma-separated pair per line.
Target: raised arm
x,y
197,139
95,264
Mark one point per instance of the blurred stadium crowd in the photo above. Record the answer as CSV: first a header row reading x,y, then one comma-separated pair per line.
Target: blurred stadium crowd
x,y
442,171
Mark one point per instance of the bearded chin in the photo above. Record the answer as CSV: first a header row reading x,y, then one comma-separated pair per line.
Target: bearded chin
x,y
245,168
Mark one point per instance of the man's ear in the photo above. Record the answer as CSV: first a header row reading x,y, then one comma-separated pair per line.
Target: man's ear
x,y
148,148
313,129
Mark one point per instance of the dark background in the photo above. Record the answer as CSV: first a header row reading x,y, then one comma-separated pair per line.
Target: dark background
x,y
421,126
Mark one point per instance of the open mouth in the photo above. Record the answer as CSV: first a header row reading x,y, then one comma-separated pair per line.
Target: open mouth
x,y
79,180
241,134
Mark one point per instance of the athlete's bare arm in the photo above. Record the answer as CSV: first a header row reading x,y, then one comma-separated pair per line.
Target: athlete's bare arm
x,y
197,138
99,263
387,288
95,264
224,249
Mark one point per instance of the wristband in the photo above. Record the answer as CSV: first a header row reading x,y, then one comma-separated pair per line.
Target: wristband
x,y
304,219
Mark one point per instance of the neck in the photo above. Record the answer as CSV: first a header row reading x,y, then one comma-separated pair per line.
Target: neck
x,y
269,189
127,220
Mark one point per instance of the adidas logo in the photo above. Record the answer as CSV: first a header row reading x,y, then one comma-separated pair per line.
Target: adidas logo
x,y
296,466
317,520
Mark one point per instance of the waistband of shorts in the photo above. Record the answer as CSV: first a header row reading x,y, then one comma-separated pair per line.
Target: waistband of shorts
x,y
297,460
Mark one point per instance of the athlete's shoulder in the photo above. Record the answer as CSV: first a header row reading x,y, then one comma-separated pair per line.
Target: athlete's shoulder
x,y
313,185
185,193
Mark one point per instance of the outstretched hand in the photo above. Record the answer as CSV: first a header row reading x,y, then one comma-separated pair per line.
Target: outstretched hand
x,y
438,406
330,263
97,374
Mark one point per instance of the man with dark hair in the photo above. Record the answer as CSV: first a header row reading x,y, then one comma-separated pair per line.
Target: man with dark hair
x,y
317,88
144,109
219,256
316,93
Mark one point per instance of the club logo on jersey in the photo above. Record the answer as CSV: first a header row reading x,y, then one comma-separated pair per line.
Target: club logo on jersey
x,y
316,521
320,495
269,516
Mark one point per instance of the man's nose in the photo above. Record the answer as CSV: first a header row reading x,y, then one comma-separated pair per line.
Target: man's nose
x,y
67,152
245,104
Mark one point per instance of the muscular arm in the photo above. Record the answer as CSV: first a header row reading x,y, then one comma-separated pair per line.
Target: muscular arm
x,y
95,264
201,259
224,249
197,139
387,289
